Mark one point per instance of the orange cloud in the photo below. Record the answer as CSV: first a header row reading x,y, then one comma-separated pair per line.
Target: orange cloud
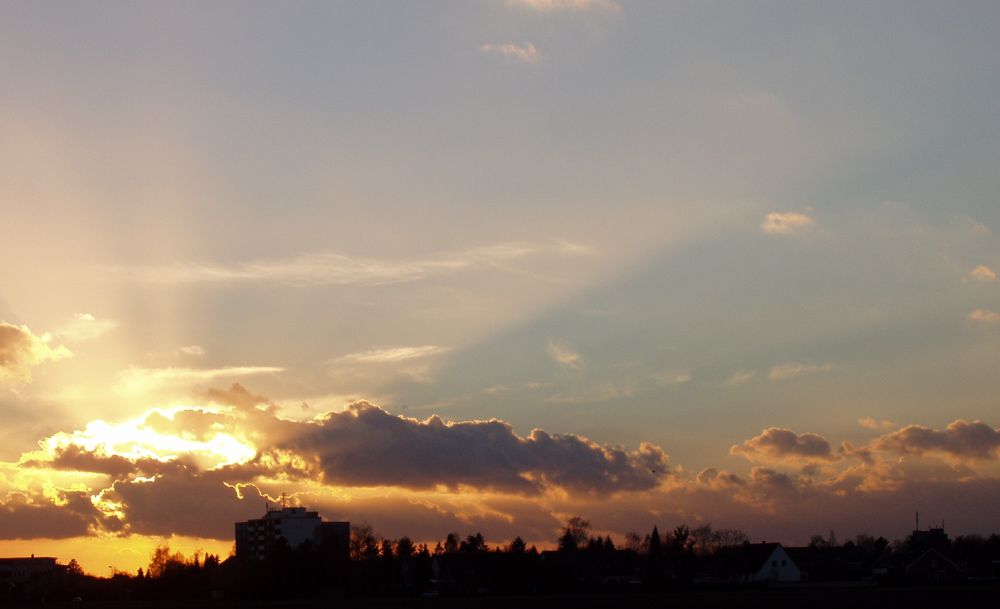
x,y
776,445
983,273
974,441
783,224
873,424
985,315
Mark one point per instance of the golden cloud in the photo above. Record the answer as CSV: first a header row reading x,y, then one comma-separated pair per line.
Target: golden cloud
x,y
20,350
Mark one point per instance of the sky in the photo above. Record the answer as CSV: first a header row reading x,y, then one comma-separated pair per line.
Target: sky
x,y
482,265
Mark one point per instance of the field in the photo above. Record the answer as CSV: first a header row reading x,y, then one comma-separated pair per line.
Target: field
x,y
811,597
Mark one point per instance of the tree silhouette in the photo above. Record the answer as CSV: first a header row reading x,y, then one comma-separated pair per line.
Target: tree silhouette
x,y
575,533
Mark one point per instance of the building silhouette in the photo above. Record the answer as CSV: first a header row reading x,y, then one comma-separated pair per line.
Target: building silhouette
x,y
294,526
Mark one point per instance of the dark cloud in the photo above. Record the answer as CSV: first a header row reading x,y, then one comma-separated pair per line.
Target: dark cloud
x,y
962,440
192,424
72,457
776,445
183,502
238,397
366,446
31,516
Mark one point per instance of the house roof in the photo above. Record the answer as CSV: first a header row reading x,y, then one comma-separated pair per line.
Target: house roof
x,y
746,558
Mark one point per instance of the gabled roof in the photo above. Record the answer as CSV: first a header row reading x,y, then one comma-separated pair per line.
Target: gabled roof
x,y
747,558
932,554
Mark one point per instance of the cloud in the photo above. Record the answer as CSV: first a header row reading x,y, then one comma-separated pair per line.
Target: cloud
x,y
790,370
391,354
779,223
983,273
961,440
138,380
563,5
740,376
37,516
159,466
20,350
777,445
673,377
366,446
985,316
526,53
85,327
873,424
564,355
328,268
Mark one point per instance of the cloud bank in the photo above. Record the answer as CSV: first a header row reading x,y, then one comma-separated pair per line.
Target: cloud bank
x,y
196,469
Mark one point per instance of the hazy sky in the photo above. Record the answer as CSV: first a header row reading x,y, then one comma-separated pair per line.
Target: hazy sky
x,y
482,265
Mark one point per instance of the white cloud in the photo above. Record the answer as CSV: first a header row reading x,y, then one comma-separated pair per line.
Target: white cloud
x,y
985,315
784,224
526,54
140,380
564,356
391,354
790,370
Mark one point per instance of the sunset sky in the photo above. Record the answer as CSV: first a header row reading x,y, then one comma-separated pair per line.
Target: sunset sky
x,y
481,265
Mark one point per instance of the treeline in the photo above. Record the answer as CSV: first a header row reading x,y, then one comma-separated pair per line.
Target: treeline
x,y
368,564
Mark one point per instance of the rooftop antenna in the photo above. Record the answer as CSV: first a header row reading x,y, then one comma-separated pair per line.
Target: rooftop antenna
x,y
283,501
918,522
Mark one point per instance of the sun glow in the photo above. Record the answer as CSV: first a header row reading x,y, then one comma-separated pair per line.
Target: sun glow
x,y
137,439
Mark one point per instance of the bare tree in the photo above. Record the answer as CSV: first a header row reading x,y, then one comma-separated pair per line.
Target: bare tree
x,y
633,541
364,542
575,534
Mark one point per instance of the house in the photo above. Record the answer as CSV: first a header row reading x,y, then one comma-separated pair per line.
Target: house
x,y
932,566
28,579
292,525
754,563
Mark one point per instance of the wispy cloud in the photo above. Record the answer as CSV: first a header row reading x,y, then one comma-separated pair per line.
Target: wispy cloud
x,y
673,377
779,223
526,53
564,5
564,355
985,316
873,424
139,380
790,370
390,354
741,376
84,326
20,350
328,268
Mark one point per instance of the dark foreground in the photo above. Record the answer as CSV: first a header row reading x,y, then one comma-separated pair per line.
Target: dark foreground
x,y
773,598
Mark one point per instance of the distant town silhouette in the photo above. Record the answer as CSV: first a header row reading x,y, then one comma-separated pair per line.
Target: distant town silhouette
x,y
292,553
